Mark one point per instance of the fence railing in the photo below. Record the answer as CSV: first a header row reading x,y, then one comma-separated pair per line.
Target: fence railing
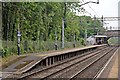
x,y
10,47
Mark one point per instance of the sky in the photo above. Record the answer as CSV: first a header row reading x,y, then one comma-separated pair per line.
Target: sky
x,y
107,8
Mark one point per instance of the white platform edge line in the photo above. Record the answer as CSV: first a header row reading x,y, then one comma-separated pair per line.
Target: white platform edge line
x,y
107,63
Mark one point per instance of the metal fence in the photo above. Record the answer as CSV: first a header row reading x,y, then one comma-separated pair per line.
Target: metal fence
x,y
10,47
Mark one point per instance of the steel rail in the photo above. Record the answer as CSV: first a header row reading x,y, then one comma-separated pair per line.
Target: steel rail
x,y
106,64
57,65
75,75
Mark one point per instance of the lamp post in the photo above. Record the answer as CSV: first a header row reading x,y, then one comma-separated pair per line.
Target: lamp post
x,y
85,36
18,32
56,46
63,22
74,44
18,42
63,18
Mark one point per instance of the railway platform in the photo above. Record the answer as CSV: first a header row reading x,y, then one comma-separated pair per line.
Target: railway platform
x,y
30,61
112,67
114,70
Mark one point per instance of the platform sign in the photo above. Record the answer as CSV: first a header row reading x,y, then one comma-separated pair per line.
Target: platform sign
x,y
18,35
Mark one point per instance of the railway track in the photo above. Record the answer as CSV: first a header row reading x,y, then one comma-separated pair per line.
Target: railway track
x,y
69,69
42,68
93,69
73,70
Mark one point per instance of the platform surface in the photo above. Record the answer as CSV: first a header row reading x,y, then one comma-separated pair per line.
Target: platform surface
x,y
115,70
111,70
67,51
36,59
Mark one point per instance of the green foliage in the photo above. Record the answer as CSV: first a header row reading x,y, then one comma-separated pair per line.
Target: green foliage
x,y
39,21
5,52
113,40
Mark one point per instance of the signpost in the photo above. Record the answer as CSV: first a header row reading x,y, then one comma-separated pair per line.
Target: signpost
x,y
18,42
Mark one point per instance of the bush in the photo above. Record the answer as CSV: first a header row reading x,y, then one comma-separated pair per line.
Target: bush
x,y
5,52
33,46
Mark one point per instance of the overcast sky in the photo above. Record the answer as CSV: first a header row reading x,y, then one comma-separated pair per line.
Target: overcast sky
x,y
107,8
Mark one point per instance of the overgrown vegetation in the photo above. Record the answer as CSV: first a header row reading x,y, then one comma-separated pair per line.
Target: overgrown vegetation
x,y
113,40
40,24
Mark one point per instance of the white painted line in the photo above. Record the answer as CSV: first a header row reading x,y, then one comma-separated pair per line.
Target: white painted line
x,y
7,72
107,63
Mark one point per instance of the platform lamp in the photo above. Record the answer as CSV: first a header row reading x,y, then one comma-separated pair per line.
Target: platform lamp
x,y
56,45
18,42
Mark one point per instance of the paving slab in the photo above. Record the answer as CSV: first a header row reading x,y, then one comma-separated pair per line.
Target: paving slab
x,y
114,70
13,67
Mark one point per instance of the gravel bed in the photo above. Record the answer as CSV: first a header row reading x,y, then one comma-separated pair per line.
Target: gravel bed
x,y
40,68
69,72
94,69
